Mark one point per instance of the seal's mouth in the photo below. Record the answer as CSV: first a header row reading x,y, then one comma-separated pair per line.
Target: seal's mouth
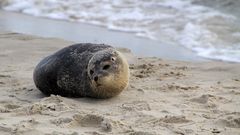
x,y
98,85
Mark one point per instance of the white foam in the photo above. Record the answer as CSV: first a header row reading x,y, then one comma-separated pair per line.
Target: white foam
x,y
172,21
18,5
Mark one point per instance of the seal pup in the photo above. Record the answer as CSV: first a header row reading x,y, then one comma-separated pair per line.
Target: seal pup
x,y
83,70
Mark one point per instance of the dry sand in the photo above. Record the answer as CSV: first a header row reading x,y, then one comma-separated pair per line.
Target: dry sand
x,y
164,97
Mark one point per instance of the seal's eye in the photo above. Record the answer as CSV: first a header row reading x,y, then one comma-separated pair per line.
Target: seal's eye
x,y
106,67
91,72
113,59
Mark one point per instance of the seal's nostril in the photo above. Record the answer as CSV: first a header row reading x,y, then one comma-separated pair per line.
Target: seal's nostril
x,y
95,78
106,67
91,72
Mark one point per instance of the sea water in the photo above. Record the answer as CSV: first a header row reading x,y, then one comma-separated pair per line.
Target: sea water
x,y
207,31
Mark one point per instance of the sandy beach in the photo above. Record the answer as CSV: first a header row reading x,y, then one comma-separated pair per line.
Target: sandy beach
x,y
164,97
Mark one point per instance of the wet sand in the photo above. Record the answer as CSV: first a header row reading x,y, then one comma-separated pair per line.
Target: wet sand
x,y
163,97
79,32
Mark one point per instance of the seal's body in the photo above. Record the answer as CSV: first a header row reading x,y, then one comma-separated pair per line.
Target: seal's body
x,y
83,70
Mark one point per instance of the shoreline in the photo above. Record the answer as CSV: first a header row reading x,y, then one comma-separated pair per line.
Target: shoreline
x,y
60,29
164,96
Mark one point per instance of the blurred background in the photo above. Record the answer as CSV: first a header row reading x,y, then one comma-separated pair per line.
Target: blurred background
x,y
173,29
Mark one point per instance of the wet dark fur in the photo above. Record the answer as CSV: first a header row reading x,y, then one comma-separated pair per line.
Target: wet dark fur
x,y
69,65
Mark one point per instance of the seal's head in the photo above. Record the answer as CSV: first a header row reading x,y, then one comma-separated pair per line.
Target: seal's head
x,y
108,71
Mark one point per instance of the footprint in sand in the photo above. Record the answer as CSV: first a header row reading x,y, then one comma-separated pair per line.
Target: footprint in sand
x,y
175,73
91,120
201,100
175,119
11,106
231,121
99,123
1,83
52,105
142,133
7,107
60,133
25,127
6,80
4,76
61,121
168,120
144,70
4,110
174,86
3,55
136,106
